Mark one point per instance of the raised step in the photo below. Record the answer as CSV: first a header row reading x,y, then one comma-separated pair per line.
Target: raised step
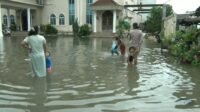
x,y
19,34
103,34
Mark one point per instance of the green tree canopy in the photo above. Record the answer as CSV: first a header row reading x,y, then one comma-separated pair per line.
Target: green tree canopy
x,y
197,12
154,21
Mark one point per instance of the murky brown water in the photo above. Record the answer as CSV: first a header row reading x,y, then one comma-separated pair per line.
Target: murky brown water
x,y
87,78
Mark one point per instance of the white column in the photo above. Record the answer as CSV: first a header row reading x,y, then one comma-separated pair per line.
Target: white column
x,y
114,20
94,21
29,18
8,20
1,34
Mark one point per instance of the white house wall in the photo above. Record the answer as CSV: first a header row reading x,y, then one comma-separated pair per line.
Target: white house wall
x,y
4,12
41,15
57,8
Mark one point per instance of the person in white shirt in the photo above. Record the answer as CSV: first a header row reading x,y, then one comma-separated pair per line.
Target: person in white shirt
x,y
36,44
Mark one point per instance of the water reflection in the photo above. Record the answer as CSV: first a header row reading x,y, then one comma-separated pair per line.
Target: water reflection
x,y
132,79
2,54
39,98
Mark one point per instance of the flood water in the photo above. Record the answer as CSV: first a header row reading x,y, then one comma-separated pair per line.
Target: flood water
x,y
86,78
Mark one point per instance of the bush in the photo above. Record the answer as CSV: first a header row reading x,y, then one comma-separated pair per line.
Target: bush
x,y
13,27
122,26
84,30
50,30
185,46
43,28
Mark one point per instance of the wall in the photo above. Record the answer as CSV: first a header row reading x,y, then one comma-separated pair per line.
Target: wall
x,y
57,8
53,6
170,26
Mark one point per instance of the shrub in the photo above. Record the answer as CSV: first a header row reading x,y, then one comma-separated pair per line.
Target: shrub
x,y
185,46
43,28
122,26
13,27
84,30
50,29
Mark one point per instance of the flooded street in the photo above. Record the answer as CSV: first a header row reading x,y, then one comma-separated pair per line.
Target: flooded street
x,y
86,78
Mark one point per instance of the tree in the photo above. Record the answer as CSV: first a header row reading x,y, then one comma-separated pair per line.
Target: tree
x,y
122,26
197,12
154,21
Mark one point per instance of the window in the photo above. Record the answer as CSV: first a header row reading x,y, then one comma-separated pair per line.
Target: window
x,y
12,19
5,22
89,12
53,19
71,12
61,19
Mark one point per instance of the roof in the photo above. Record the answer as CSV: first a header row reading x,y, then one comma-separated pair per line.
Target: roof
x,y
104,2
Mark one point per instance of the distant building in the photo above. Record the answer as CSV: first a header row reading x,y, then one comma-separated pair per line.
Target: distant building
x,y
102,15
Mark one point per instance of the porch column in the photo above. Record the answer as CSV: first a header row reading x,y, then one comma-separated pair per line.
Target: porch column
x,y
94,21
29,18
114,20
8,20
1,34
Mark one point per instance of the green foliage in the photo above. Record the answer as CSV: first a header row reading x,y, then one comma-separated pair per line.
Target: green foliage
x,y
197,12
75,27
84,30
13,27
43,28
122,26
154,21
50,29
185,46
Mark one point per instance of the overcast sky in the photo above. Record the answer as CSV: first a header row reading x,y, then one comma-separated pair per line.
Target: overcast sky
x,y
181,6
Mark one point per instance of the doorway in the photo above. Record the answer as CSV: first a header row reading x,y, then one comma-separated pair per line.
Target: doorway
x,y
107,21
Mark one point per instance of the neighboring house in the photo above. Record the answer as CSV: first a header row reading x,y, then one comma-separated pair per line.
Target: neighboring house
x,y
102,15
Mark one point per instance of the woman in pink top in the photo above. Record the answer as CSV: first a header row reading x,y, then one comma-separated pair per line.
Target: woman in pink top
x,y
136,40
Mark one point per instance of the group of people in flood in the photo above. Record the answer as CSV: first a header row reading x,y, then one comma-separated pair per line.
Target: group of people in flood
x,y
41,64
135,42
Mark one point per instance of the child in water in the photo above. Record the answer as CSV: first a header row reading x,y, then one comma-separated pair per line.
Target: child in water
x,y
48,62
114,49
121,45
131,55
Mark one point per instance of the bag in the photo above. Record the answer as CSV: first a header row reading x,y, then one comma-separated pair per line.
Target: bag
x,y
48,64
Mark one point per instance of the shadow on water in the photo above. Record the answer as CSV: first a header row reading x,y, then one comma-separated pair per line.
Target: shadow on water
x,y
52,41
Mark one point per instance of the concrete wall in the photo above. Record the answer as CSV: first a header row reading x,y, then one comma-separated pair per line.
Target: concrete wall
x,y
170,26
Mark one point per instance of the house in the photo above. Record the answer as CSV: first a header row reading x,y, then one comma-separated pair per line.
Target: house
x,y
102,15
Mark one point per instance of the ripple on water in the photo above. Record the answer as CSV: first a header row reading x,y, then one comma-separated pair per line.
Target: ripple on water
x,y
94,81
